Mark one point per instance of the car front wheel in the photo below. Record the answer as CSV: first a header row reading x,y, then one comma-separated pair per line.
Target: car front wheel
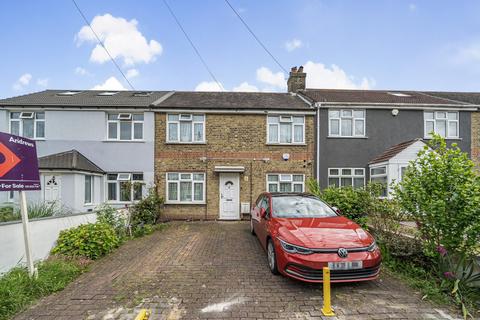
x,y
272,257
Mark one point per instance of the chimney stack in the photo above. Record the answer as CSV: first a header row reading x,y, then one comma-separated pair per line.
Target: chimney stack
x,y
297,79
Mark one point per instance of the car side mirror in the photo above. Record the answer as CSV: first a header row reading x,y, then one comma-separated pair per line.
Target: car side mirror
x,y
337,210
263,213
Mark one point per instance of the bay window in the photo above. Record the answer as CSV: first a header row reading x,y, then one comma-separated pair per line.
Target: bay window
x,y
346,177
379,175
346,123
88,198
185,187
285,129
285,182
186,128
28,124
124,187
125,126
444,123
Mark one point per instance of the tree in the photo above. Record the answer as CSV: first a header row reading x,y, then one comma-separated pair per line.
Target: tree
x,y
442,192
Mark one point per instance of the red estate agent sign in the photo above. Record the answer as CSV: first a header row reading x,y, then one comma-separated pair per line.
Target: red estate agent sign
x,y
18,164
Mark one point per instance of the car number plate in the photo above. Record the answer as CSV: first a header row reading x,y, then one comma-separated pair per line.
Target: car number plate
x,y
345,265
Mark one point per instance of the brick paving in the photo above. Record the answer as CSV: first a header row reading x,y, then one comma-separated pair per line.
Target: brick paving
x,y
216,270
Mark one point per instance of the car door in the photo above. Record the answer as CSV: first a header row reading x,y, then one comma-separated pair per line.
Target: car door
x,y
264,221
256,213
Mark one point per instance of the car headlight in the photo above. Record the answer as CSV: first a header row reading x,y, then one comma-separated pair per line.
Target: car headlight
x,y
290,248
372,247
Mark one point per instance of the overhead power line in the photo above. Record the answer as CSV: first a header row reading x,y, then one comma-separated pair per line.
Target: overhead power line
x,y
255,36
193,45
103,46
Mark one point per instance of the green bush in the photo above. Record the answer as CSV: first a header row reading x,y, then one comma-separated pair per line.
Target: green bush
x,y
35,210
109,215
8,214
18,290
91,240
146,212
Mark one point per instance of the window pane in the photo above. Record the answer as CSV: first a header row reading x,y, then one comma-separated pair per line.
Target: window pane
x,y
185,131
125,130
297,187
15,127
452,129
297,177
198,191
173,117
285,177
112,191
452,116
112,176
172,176
40,129
125,191
285,133
172,132
272,177
198,176
429,125
346,113
333,182
272,133
137,191
285,187
441,115
442,128
186,176
88,189
198,131
428,115
112,116
172,191
39,115
272,187
28,128
382,181
198,117
273,119
112,130
334,114
358,113
185,191
335,126
380,170
346,127
359,172
15,115
137,176
298,133
346,182
298,119
333,172
137,117
358,182
359,128
346,172
138,130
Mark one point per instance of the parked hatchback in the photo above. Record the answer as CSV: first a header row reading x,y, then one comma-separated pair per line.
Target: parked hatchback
x,y
302,234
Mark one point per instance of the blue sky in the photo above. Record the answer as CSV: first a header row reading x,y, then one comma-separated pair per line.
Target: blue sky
x,y
421,45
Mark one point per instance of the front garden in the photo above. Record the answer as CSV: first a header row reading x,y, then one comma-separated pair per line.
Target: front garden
x,y
440,193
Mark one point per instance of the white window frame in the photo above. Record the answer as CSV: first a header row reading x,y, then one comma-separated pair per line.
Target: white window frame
x,y
92,179
125,117
118,181
188,119
191,180
21,117
436,119
341,176
281,179
342,117
285,119
381,175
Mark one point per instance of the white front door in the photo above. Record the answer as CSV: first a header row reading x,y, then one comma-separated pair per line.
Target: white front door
x,y
53,186
229,196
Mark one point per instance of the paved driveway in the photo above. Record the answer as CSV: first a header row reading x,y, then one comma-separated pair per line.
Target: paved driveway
x,y
215,270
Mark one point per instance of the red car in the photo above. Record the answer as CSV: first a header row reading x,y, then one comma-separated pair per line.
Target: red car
x,y
302,234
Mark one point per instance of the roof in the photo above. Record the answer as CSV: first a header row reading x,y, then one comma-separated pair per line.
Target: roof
x,y
393,151
68,160
379,97
468,97
234,100
86,98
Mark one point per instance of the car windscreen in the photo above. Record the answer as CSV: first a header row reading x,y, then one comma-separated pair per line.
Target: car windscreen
x,y
296,206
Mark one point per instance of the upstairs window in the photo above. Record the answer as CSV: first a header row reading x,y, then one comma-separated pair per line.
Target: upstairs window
x,y
346,123
125,126
286,129
28,124
124,187
444,123
186,128
285,182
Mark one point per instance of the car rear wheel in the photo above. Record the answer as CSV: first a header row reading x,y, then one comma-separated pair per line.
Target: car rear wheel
x,y
252,231
272,257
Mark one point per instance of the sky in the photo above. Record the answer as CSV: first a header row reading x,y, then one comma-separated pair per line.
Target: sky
x,y
388,44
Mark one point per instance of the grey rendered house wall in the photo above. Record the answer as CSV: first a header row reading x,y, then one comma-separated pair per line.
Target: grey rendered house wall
x,y
383,130
86,131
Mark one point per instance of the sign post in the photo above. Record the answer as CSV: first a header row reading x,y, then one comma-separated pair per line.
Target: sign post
x,y
19,171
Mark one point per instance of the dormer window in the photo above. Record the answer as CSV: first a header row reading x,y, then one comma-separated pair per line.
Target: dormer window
x,y
28,124
125,126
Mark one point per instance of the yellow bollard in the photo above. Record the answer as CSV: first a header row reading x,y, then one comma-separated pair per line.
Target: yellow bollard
x,y
327,306
143,315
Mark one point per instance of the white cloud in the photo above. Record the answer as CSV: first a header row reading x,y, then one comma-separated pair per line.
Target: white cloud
x,y
274,80
111,83
209,86
122,39
245,87
293,44
42,82
132,73
22,82
82,71
321,76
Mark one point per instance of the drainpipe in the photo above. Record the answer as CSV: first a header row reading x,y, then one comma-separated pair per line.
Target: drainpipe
x,y
317,141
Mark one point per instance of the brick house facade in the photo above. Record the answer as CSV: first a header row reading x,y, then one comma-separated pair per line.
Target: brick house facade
x,y
235,150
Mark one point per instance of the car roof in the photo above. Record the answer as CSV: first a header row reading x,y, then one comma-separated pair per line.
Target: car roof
x,y
284,194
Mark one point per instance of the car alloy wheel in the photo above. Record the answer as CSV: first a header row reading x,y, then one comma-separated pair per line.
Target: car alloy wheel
x,y
272,257
252,231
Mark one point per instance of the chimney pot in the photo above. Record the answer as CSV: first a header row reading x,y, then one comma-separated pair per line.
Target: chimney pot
x,y
300,69
294,69
297,79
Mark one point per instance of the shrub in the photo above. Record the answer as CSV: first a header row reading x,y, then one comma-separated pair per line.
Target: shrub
x,y
109,215
146,211
91,240
441,191
8,214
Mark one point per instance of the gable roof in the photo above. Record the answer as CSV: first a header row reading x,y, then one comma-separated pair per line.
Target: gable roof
x,y
68,160
234,100
393,151
381,97
85,98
